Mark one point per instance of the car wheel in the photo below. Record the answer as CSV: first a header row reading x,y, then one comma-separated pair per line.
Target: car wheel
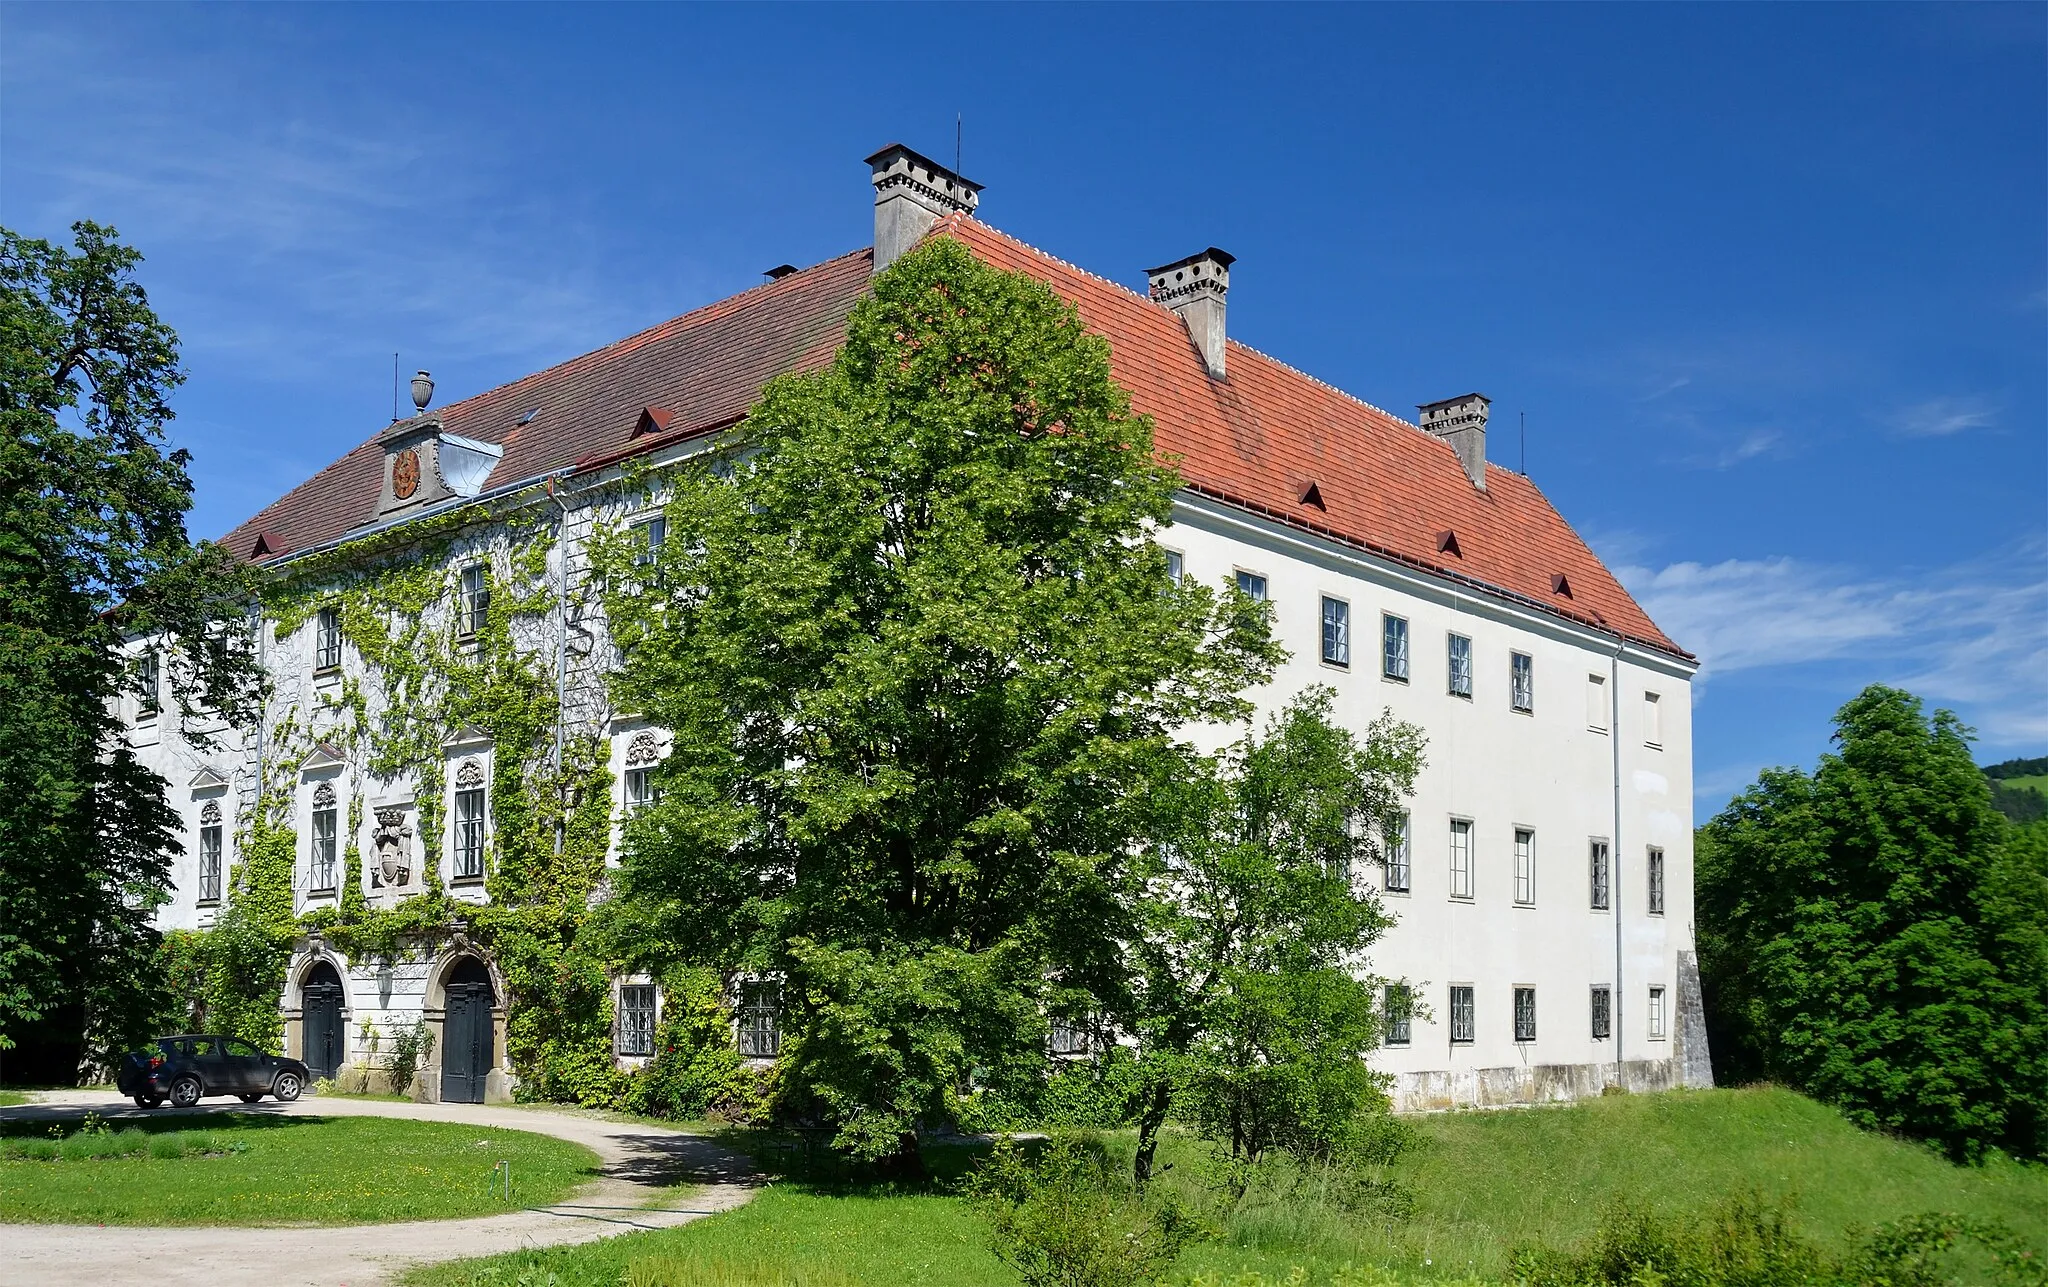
x,y
286,1087
144,1101
250,1099
185,1092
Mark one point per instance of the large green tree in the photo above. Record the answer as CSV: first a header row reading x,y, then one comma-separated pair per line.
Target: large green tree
x,y
93,554
921,662
1246,984
1877,935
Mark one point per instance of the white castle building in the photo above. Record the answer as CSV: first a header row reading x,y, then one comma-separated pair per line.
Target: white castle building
x,y
1544,889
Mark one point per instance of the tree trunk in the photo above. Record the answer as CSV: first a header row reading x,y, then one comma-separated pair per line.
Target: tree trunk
x,y
1149,1123
906,1164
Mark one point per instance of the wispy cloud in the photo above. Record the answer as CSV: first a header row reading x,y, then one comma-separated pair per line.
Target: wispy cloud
x,y
1755,443
1973,635
1943,417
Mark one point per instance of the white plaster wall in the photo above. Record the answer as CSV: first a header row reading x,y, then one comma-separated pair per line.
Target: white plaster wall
x,y
1546,771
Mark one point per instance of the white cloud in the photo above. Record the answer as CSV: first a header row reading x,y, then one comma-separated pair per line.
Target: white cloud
x,y
1972,635
1943,417
1755,443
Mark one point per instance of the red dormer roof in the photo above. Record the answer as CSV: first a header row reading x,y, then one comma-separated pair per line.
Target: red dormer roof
x,y
1268,439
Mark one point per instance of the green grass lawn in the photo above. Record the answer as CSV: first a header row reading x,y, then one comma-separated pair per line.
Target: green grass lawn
x,y
1481,1183
9,1098
264,1170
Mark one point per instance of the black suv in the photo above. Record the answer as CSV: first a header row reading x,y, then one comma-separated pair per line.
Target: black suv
x,y
181,1069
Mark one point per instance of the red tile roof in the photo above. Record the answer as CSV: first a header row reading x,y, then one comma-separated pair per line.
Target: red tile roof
x,y
1259,440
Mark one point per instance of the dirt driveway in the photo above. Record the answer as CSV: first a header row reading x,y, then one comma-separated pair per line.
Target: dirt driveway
x,y
637,1164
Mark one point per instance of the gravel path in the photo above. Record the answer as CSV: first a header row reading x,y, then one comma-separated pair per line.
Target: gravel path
x,y
637,1163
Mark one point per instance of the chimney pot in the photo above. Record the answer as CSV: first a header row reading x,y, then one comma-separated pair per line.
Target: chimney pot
x,y
1461,422
912,193
1195,288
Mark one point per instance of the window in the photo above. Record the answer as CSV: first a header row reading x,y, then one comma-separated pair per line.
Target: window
x,y
1462,1025
1596,703
640,790
209,852
1653,884
1596,862
1394,659
149,701
1399,1014
1461,858
650,535
327,639
1525,1014
1656,1015
1521,682
1176,566
1653,721
1397,855
1461,666
759,1037
1603,1014
1336,632
320,875
1068,1037
469,821
1525,866
1252,585
475,607
636,1019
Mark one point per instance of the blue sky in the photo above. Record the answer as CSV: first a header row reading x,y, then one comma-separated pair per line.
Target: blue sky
x,y
1771,283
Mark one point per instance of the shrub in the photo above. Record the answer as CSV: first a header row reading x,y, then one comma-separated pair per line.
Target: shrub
x,y
409,1048
1071,1219
1093,1094
696,1072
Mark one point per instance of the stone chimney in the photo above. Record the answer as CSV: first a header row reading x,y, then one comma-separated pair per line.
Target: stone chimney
x,y
911,194
1461,422
1194,287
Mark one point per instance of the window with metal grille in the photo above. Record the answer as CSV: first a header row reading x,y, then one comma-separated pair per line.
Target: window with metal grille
x,y
1656,1015
469,833
1336,632
1525,866
1253,585
149,699
636,1019
209,853
1603,1014
320,874
327,639
1521,681
1461,858
1397,855
1460,666
1394,648
759,1035
1463,1025
1596,862
1653,884
475,608
1525,1014
1399,1015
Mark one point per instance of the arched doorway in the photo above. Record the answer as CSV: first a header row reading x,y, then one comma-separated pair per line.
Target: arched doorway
x,y
470,1041
322,1038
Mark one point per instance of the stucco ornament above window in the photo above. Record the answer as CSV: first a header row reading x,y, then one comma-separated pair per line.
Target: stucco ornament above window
x,y
209,815
645,748
323,796
470,775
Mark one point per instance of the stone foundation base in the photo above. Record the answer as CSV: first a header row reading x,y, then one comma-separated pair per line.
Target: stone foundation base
x,y
1423,1092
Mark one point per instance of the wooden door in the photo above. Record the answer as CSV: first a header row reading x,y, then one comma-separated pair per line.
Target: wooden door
x,y
468,1031
321,1030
